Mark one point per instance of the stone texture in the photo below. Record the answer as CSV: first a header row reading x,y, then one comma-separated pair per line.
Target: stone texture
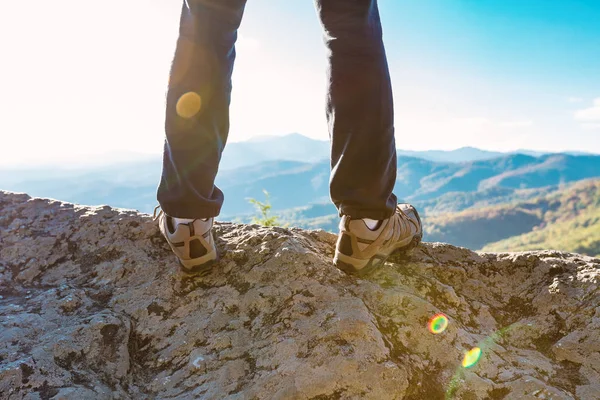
x,y
93,306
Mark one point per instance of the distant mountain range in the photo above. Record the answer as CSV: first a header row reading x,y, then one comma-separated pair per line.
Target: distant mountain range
x,y
296,184
296,147
299,184
295,171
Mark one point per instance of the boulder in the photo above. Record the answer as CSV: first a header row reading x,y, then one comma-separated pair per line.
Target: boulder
x,y
94,306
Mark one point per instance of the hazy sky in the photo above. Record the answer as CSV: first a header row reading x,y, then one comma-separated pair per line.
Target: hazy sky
x,y
81,79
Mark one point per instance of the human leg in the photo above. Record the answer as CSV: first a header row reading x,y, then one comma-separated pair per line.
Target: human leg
x,y
359,110
197,126
363,150
197,116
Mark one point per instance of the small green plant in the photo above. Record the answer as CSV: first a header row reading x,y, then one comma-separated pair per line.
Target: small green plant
x,y
263,209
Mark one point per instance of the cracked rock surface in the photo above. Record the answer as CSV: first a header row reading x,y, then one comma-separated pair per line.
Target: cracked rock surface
x,y
93,306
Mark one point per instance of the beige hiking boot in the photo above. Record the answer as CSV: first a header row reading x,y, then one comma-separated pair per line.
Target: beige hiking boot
x,y
192,243
359,249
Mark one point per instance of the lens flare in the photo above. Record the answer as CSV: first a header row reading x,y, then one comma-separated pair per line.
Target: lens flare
x,y
189,105
438,323
471,357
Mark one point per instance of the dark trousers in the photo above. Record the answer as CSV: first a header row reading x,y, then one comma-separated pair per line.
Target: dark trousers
x,y
359,108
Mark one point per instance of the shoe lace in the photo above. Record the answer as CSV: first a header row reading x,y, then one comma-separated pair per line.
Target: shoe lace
x,y
156,216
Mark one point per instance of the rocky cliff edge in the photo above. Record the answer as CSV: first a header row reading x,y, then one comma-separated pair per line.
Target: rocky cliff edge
x,y
93,306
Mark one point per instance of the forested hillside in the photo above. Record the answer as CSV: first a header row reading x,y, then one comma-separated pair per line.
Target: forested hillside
x,y
566,219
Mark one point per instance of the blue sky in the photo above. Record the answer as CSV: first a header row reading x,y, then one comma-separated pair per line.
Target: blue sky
x,y
86,81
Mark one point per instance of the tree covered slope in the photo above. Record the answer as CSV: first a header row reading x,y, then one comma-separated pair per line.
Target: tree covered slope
x,y
566,219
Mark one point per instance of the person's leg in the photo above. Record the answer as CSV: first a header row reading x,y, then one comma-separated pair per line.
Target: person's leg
x,y
363,150
197,117
359,110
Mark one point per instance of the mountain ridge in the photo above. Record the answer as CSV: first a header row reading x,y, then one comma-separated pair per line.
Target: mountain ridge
x,y
290,147
296,184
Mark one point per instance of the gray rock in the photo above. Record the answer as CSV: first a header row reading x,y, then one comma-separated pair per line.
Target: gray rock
x,y
93,305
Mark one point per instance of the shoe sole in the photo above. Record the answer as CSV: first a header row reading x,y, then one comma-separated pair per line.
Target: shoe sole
x,y
377,260
201,270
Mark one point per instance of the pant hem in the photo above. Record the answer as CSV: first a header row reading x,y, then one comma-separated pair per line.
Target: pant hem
x,y
191,211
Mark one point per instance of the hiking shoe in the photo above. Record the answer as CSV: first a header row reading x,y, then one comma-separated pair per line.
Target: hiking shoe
x,y
359,249
192,243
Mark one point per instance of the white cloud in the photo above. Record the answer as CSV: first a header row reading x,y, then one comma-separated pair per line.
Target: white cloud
x,y
574,99
516,124
590,114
